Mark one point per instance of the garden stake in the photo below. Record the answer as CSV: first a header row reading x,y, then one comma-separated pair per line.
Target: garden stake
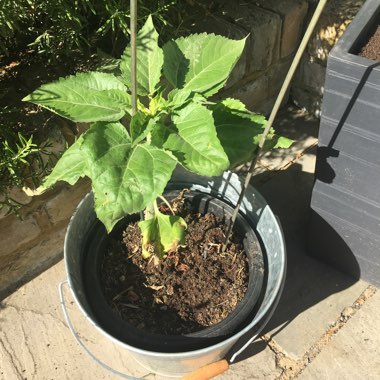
x,y
276,107
133,27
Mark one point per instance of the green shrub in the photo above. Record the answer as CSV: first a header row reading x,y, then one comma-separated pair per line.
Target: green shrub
x,y
22,163
57,27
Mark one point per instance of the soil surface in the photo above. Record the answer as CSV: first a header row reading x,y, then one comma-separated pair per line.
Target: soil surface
x,y
195,287
372,49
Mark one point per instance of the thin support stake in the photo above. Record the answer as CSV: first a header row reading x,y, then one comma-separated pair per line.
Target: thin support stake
x,y
133,27
276,107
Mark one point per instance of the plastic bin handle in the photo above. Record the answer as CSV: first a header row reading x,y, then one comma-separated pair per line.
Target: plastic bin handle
x,y
208,371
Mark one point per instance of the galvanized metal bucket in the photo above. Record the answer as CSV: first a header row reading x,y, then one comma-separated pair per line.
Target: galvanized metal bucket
x,y
259,216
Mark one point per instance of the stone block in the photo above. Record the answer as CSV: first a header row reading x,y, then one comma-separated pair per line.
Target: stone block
x,y
35,342
277,73
252,93
264,41
311,74
28,263
61,207
263,26
15,233
314,297
19,196
260,94
222,27
293,13
354,352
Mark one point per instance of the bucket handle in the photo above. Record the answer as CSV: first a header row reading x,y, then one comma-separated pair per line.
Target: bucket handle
x,y
79,340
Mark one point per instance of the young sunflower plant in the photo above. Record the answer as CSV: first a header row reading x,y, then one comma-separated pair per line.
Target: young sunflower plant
x,y
130,159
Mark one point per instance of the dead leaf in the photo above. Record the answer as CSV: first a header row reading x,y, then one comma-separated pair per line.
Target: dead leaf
x,y
154,287
169,290
183,267
132,296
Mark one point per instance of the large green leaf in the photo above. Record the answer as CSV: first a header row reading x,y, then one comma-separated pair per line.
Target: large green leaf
x,y
237,130
196,144
70,167
85,97
125,179
201,62
149,60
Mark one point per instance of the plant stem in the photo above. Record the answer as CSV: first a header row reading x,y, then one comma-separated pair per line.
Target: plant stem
x,y
150,211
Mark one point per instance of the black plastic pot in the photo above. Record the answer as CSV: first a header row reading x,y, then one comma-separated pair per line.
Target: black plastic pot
x,y
95,248
346,198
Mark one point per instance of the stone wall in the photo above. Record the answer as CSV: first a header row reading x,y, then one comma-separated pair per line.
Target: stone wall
x,y
274,29
307,89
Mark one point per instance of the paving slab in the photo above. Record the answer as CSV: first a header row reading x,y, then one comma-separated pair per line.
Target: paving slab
x,y
35,342
29,263
298,126
354,352
314,297
257,362
288,192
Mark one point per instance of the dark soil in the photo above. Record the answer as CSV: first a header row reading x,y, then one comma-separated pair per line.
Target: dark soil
x,y
372,49
195,287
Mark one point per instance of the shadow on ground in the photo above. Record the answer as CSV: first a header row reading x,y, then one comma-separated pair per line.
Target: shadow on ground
x,y
308,281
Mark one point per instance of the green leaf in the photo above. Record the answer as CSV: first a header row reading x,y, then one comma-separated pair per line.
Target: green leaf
x,y
141,124
201,62
157,103
283,142
235,105
85,97
237,130
274,141
70,167
125,179
196,144
162,234
149,60
107,63
177,97
160,134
